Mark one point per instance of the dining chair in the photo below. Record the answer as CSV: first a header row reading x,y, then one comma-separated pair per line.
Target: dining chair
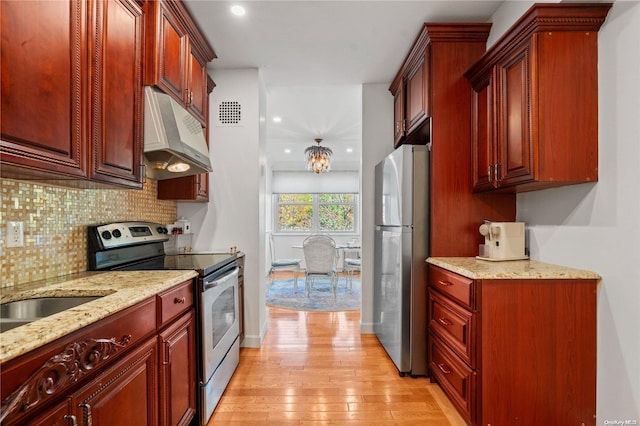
x,y
283,264
351,265
321,258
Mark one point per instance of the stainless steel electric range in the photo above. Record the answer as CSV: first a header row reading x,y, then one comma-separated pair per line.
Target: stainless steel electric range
x,y
139,246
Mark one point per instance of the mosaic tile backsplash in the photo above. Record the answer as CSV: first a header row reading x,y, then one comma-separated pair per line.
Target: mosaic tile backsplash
x,y
55,224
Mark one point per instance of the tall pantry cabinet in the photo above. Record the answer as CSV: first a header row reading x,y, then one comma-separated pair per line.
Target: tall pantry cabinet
x,y
433,105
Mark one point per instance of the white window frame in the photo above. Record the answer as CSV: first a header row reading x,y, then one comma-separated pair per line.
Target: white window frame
x,y
315,220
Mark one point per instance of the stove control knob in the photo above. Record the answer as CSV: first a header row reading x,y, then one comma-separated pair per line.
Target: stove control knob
x,y
106,235
161,230
117,233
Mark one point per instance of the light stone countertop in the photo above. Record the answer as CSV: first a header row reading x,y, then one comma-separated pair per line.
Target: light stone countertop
x,y
473,268
120,289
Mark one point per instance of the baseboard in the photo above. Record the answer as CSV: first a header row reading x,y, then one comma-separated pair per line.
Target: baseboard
x,y
251,342
366,328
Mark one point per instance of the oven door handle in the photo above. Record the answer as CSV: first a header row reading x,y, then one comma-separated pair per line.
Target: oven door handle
x,y
219,276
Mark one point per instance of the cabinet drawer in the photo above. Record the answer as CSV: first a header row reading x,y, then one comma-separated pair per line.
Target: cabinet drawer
x,y
454,325
174,302
456,379
453,285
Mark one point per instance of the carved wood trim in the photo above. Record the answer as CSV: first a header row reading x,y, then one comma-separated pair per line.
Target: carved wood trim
x,y
61,370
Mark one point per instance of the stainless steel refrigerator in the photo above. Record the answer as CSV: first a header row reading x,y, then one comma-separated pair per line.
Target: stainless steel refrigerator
x,y
401,248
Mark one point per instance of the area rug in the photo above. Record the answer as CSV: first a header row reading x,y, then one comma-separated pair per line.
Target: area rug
x,y
281,295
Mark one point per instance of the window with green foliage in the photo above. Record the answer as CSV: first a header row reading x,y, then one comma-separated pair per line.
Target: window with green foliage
x,y
315,212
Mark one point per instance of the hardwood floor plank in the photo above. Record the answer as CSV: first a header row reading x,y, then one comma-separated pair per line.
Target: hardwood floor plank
x,y
315,368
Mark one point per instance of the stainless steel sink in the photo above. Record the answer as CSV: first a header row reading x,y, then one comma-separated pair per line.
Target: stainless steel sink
x,y
20,312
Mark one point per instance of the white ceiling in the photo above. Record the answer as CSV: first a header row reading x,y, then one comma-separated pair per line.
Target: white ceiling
x,y
314,55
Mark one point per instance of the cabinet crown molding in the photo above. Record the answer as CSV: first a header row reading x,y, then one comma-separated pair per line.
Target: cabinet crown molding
x,y
539,18
432,32
196,38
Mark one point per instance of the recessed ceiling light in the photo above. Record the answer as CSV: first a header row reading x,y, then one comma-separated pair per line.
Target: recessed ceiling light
x,y
349,149
287,151
277,119
238,10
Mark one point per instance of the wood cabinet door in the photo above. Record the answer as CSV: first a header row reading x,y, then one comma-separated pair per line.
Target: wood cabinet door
x,y
515,161
202,182
186,188
417,102
58,415
198,95
482,142
398,116
43,84
116,92
172,51
125,394
177,372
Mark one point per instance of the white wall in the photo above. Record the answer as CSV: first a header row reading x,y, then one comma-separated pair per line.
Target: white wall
x,y
597,226
234,215
377,143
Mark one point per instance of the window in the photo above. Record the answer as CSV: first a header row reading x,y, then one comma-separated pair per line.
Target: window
x,y
315,212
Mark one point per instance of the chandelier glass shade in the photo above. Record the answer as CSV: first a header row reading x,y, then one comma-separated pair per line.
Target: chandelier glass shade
x,y
318,157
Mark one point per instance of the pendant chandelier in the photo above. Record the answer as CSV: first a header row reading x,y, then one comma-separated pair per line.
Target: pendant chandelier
x,y
318,157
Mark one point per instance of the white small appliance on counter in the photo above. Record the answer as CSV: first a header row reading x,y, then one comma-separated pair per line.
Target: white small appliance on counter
x,y
502,241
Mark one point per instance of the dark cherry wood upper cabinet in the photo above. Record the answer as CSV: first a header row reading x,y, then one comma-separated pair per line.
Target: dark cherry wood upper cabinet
x,y
198,96
168,40
535,95
43,124
410,89
417,93
177,55
116,92
398,115
72,92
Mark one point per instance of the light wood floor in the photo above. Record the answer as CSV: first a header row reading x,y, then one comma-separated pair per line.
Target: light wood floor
x,y
315,368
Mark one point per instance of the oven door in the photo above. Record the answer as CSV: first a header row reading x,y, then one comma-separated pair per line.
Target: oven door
x,y
219,318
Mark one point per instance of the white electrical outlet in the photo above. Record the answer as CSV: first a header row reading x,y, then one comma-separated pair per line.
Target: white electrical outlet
x,y
15,234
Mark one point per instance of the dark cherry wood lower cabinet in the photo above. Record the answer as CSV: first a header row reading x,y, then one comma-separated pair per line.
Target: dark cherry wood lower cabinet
x,y
514,351
177,372
56,416
135,367
125,394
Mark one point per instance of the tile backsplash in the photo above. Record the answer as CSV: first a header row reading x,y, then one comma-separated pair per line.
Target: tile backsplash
x,y
55,224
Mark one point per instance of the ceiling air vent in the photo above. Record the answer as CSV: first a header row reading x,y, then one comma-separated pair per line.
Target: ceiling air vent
x,y
229,114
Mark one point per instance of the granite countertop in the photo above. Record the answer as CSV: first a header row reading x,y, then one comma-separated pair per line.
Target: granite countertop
x,y
120,289
473,268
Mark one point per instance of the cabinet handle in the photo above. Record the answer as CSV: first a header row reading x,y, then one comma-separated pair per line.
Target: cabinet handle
x,y
178,300
444,321
490,172
88,419
444,369
444,283
495,171
72,418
